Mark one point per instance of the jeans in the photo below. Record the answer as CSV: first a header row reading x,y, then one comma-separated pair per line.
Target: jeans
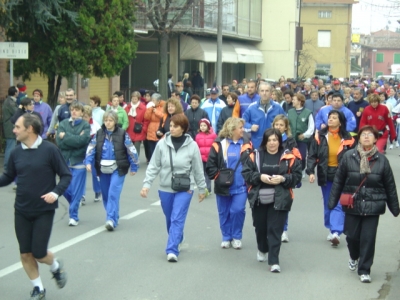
x,y
10,145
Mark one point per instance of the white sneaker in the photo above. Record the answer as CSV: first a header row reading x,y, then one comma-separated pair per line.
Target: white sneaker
x,y
365,278
391,147
225,244
261,257
275,269
329,237
236,244
172,257
304,174
353,264
397,144
109,225
285,237
335,240
72,222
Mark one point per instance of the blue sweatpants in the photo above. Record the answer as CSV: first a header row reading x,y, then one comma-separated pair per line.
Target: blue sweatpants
x,y
231,210
175,207
75,191
111,187
333,219
95,179
285,228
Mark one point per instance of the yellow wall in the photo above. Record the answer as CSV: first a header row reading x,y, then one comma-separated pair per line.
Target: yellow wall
x,y
36,82
100,87
338,55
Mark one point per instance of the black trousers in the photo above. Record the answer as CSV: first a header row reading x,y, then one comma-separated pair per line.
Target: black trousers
x,y
360,234
269,224
147,150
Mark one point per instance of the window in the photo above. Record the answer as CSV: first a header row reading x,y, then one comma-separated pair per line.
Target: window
x,y
379,57
396,58
325,67
324,38
324,14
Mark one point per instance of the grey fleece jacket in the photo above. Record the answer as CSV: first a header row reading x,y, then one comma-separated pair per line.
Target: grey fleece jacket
x,y
188,155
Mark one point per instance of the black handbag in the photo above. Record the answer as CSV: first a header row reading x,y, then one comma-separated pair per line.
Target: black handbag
x,y
137,128
179,182
225,176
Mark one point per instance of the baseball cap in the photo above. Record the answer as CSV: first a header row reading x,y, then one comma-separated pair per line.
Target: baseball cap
x,y
214,90
336,82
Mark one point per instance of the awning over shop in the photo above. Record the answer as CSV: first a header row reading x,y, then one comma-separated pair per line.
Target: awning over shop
x,y
205,49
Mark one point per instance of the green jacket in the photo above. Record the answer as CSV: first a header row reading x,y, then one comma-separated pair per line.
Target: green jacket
x,y
299,122
75,141
8,111
123,120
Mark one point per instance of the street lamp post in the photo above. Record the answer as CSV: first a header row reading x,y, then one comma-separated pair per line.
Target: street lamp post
x,y
372,63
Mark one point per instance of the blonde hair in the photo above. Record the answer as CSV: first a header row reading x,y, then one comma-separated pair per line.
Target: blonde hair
x,y
285,120
278,95
176,103
229,126
87,110
135,94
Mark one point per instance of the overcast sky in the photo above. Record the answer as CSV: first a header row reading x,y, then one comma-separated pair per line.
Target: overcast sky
x,y
373,15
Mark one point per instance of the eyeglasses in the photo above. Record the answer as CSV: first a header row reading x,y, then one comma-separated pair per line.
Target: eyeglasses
x,y
367,134
178,85
225,89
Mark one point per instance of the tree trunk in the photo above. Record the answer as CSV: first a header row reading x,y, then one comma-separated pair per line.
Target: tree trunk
x,y
163,39
50,90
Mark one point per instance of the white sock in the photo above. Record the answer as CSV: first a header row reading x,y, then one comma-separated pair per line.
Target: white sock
x,y
54,267
38,282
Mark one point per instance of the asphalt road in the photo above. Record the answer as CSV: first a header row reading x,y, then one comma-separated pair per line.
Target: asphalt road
x,y
130,263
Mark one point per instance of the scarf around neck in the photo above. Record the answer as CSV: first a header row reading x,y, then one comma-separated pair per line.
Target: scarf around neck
x,y
334,132
364,154
132,111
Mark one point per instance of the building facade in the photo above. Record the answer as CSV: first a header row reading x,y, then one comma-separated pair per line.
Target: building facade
x,y
326,36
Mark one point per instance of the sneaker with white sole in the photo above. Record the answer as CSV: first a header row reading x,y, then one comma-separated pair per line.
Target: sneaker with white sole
x,y
109,225
275,269
236,244
335,241
73,222
365,278
391,147
353,264
83,201
285,237
97,197
225,244
261,257
172,257
329,237
397,144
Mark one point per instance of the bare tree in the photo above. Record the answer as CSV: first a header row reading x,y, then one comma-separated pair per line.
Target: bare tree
x,y
163,16
306,59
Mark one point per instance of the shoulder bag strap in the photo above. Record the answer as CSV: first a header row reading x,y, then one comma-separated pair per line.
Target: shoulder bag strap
x,y
362,182
170,159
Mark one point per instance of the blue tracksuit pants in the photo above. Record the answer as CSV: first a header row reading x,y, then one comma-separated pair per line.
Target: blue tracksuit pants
x,y
231,210
175,207
95,179
111,187
75,191
333,219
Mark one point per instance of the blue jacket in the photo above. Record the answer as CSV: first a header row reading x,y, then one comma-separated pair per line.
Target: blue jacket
x,y
245,101
213,110
322,117
254,115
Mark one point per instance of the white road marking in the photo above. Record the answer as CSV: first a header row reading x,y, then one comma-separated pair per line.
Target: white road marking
x,y
71,242
158,203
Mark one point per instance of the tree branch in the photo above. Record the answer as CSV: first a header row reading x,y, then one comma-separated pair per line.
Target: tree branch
x,y
179,15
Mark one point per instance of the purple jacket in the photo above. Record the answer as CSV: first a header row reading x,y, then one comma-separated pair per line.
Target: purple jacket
x,y
46,113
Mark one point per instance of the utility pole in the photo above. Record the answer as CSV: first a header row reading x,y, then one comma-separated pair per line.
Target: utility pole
x,y
218,66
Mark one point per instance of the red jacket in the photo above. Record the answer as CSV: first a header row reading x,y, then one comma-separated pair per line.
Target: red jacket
x,y
205,141
378,117
140,111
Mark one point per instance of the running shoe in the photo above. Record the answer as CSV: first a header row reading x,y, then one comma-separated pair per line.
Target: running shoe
x,y
60,276
36,294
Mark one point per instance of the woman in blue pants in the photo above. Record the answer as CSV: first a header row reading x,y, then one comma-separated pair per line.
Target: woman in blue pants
x,y
176,153
228,151
113,154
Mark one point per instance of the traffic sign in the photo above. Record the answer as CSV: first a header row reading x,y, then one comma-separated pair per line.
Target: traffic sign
x,y
14,50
